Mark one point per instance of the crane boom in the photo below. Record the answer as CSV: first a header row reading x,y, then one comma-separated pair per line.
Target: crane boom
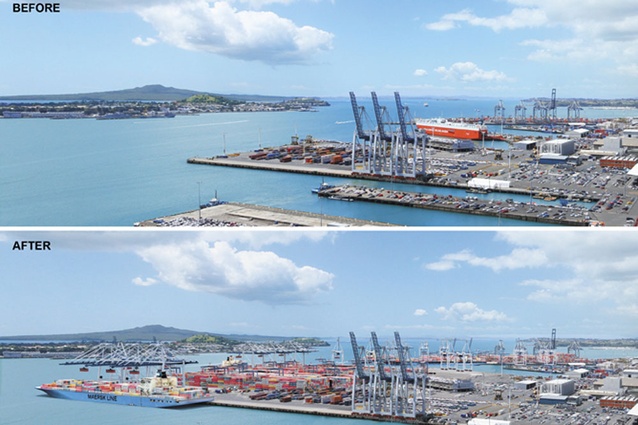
x,y
358,362
379,117
401,111
357,111
379,358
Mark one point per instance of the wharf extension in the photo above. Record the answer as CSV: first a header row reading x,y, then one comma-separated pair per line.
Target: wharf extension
x,y
468,205
234,214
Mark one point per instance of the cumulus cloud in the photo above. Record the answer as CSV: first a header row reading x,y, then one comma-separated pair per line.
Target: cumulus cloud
x,y
420,72
469,312
237,29
144,42
241,274
144,282
441,266
518,258
257,4
517,18
420,312
590,267
250,35
594,29
469,72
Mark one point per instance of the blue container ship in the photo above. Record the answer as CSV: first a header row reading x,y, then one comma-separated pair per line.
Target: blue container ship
x,y
162,390
159,391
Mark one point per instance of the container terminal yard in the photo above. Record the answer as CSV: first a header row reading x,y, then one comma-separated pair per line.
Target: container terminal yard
x,y
579,179
390,383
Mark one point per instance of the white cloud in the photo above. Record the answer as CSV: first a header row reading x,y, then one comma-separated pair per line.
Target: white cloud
x,y
144,282
469,72
594,267
223,270
222,28
258,4
148,41
517,18
518,258
441,266
420,72
420,312
595,29
469,312
250,35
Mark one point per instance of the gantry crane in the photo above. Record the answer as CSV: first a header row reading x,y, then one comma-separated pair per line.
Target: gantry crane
x,y
383,149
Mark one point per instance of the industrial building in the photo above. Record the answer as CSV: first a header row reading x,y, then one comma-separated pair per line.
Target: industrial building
x,y
525,145
559,387
577,373
577,133
626,142
558,391
558,147
619,402
525,384
625,161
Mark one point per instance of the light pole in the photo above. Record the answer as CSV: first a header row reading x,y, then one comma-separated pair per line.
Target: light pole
x,y
199,202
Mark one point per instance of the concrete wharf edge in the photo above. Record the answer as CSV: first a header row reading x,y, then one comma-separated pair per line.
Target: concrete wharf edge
x,y
451,209
314,409
267,216
302,169
349,174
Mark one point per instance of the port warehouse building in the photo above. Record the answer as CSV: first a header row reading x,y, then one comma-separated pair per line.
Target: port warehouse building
x,y
558,391
610,151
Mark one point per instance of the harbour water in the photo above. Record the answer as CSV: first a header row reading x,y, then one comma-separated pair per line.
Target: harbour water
x,y
86,172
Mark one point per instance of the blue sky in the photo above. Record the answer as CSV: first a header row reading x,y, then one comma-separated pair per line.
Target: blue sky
x,y
493,48
452,284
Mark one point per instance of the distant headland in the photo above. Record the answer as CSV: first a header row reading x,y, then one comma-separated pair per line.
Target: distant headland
x,y
148,93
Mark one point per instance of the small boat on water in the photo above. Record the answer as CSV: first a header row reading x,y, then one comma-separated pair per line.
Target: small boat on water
x,y
322,186
477,190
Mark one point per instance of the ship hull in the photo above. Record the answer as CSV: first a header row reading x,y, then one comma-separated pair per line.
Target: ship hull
x,y
451,132
454,130
123,399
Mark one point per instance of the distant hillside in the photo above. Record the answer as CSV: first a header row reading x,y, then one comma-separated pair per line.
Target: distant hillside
x,y
144,333
154,92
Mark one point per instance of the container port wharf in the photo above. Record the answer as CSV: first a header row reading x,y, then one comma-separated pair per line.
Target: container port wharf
x,y
610,192
452,397
377,385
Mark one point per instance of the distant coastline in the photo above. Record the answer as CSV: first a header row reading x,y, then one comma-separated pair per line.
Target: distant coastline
x,y
146,102
148,93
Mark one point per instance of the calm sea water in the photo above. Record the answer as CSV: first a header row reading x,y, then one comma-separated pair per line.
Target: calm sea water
x,y
115,173
21,403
